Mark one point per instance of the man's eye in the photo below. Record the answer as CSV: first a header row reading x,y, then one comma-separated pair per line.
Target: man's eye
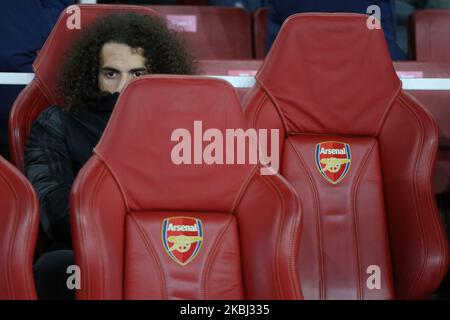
x,y
139,73
110,74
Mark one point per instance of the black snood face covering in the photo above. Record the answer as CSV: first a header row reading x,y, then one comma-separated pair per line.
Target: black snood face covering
x,y
107,102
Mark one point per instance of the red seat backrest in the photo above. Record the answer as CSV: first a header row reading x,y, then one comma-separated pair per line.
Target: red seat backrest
x,y
19,222
430,34
41,93
250,222
369,210
260,24
212,32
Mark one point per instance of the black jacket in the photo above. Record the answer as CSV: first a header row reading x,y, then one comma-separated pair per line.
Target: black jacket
x,y
59,144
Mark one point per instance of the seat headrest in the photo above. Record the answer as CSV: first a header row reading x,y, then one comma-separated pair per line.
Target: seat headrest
x,y
137,143
330,74
49,60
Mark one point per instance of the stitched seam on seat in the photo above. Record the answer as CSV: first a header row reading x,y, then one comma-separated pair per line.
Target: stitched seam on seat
x,y
256,111
389,108
277,107
417,212
293,264
28,233
419,215
82,230
237,202
116,179
400,99
18,148
242,189
8,261
275,268
43,88
30,113
430,201
322,293
150,248
14,124
50,39
210,260
29,283
355,191
415,201
82,235
101,175
436,219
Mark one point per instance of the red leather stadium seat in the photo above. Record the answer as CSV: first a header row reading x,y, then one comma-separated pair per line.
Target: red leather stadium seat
x,y
430,34
436,102
260,22
121,200
212,32
40,93
19,222
360,153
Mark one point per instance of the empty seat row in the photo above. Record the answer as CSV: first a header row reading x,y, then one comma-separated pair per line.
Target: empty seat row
x,y
212,32
434,101
350,214
429,30
233,33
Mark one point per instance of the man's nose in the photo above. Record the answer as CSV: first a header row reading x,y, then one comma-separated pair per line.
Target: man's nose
x,y
123,81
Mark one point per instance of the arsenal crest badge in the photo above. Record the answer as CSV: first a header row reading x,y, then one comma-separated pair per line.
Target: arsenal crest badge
x,y
182,238
333,160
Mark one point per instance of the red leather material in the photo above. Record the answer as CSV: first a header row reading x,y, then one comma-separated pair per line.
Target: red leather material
x,y
436,102
383,211
27,107
263,115
105,226
260,22
41,92
214,274
299,98
418,242
346,222
430,29
19,222
222,112
270,239
220,32
251,222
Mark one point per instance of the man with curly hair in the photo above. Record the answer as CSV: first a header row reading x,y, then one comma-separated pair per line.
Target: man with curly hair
x,y
113,50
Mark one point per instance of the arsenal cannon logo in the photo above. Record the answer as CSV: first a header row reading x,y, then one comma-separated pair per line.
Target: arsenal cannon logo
x,y
182,238
333,160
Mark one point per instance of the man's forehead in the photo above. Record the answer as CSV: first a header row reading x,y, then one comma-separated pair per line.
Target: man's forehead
x,y
117,56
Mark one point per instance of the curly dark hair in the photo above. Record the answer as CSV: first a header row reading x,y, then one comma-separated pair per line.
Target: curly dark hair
x,y
163,49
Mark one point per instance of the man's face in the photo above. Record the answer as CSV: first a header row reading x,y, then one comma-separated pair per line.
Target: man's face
x,y
119,63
